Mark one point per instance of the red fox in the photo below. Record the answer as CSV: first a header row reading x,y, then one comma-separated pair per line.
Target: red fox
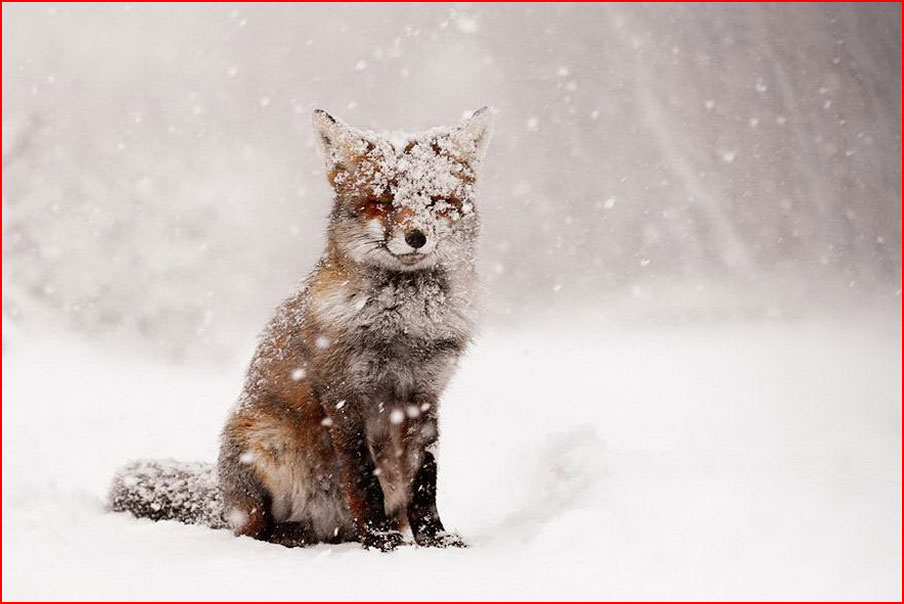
x,y
333,437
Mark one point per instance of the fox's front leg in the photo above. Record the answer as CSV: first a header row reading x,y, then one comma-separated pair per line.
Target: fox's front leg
x,y
361,486
423,516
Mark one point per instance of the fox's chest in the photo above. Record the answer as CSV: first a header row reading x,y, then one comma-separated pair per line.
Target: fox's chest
x,y
419,310
398,338
422,312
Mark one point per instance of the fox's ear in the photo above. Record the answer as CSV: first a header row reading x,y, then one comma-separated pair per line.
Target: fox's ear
x,y
342,145
470,139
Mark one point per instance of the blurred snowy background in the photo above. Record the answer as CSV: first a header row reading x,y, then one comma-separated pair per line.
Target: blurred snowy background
x,y
692,251
161,182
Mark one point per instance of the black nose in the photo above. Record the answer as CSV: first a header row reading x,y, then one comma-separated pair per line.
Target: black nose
x,y
415,239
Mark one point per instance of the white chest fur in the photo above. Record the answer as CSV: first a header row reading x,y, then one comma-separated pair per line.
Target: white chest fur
x,y
421,307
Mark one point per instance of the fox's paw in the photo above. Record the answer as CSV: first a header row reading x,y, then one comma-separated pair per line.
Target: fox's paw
x,y
292,534
442,539
385,541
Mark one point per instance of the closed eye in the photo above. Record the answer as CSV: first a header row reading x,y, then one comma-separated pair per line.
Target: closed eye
x,y
444,204
382,204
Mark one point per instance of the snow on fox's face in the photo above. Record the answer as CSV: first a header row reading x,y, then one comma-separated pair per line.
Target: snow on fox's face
x,y
404,202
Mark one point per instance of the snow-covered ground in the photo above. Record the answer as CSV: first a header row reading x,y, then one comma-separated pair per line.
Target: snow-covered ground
x,y
727,461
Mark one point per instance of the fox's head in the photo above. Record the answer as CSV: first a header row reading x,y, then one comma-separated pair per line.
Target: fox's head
x,y
404,202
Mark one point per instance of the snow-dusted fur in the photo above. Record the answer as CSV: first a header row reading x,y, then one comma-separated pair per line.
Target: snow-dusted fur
x,y
169,490
332,437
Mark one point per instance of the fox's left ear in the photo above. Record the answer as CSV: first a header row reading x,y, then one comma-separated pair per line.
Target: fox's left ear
x,y
342,145
470,139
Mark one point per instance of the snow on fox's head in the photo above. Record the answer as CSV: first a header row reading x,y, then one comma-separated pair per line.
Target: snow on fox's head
x,y
404,202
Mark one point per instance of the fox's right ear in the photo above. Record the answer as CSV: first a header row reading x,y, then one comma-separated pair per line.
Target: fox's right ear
x,y
342,145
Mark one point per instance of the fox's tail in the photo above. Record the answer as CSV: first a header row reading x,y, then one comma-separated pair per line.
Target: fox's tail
x,y
169,490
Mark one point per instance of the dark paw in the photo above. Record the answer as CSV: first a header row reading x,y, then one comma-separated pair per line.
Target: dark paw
x,y
385,541
441,539
292,534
